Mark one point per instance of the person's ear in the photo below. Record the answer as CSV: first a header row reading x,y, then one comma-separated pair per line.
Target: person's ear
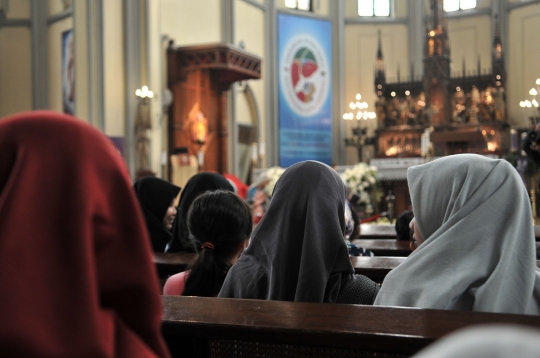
x,y
242,246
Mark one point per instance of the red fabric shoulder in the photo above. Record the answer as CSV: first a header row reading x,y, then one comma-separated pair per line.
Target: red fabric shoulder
x,y
80,279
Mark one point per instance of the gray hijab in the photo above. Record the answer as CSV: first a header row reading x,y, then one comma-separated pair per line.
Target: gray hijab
x,y
297,251
487,341
479,245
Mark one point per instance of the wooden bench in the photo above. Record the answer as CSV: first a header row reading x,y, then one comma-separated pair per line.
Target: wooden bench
x,y
170,264
385,247
376,268
377,231
388,231
213,327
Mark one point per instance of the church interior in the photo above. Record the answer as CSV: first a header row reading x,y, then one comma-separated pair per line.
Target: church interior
x,y
414,67
459,74
240,87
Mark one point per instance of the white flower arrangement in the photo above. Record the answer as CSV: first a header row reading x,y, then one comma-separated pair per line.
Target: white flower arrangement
x,y
273,174
362,179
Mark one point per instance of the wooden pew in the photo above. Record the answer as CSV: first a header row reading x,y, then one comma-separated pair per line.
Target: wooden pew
x,y
377,231
203,327
170,264
385,247
376,268
388,231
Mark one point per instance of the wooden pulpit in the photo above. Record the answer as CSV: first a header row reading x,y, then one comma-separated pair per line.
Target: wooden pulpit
x,y
199,78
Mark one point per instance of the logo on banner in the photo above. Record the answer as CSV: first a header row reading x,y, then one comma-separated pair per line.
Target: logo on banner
x,y
304,75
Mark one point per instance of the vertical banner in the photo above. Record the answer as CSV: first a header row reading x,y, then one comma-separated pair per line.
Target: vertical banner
x,y
305,98
68,73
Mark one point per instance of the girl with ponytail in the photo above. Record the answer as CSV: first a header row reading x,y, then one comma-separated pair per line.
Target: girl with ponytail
x,y
220,222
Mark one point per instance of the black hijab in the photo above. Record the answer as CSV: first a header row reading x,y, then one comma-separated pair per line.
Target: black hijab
x,y
297,251
155,196
196,185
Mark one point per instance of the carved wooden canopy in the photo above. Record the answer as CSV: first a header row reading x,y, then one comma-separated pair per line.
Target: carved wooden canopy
x,y
229,62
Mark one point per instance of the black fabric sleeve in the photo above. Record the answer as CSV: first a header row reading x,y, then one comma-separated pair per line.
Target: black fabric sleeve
x,y
358,290
533,154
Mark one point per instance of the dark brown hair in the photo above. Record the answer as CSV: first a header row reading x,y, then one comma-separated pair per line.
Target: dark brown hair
x,y
223,219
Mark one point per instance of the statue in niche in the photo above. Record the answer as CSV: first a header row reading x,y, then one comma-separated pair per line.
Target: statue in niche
x,y
498,51
380,110
411,111
439,47
197,130
198,127
407,111
420,105
475,100
487,112
458,105
393,113
499,104
436,103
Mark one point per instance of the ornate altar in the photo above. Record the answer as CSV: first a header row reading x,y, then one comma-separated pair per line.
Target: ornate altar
x,y
199,78
465,112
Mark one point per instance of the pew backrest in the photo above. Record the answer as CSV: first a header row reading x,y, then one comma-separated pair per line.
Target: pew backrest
x,y
377,231
376,268
385,247
169,264
203,327
388,231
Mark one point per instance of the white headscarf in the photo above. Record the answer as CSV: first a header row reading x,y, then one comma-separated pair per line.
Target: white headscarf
x,y
478,252
487,341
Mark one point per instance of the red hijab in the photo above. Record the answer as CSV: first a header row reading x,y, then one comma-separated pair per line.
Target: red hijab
x,y
77,279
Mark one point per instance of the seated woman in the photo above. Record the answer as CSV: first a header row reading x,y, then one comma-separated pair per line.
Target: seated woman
x,y
352,233
298,252
77,276
257,198
221,221
474,240
403,231
156,197
195,186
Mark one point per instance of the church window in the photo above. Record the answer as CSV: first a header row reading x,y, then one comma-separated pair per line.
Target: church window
x,y
299,4
455,5
374,7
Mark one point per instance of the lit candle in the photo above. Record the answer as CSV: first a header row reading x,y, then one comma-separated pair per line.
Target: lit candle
x,y
254,151
261,148
200,158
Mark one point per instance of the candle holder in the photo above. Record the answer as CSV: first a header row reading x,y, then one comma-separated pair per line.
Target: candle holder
x,y
359,138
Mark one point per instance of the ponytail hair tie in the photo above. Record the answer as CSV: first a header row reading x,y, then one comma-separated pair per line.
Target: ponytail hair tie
x,y
207,245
